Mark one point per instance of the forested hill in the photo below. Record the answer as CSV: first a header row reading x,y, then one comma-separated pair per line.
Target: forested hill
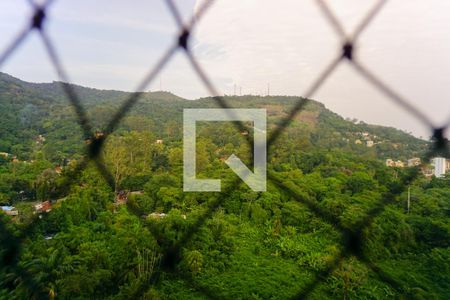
x,y
33,109
335,222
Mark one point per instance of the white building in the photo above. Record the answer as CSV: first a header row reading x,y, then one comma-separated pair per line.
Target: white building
x,y
9,210
440,166
390,163
399,164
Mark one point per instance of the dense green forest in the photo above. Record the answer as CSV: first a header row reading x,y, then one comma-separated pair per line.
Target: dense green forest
x,y
333,224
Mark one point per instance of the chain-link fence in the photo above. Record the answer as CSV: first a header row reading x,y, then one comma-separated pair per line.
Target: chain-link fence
x,y
352,238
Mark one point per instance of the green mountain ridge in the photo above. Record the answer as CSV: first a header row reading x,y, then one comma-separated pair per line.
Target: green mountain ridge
x,y
33,109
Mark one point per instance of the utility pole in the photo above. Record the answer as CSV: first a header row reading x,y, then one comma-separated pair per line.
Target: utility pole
x,y
268,89
409,199
240,91
234,90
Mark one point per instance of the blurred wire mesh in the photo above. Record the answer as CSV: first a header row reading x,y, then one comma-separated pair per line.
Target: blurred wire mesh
x,y
352,240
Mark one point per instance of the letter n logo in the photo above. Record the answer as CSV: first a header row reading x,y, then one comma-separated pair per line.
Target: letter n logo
x,y
256,180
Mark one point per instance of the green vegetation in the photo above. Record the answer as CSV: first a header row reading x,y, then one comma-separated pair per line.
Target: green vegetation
x,y
163,243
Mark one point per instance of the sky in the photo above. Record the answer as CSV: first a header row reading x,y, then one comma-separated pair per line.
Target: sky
x,y
246,45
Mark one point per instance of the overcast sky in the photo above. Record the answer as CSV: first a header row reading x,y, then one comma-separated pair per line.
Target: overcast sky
x,y
111,44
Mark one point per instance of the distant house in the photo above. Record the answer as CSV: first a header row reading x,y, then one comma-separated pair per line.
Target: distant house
x,y
159,141
390,163
121,198
136,193
40,139
369,143
45,206
4,154
244,132
58,169
427,171
358,142
414,162
157,215
399,164
9,210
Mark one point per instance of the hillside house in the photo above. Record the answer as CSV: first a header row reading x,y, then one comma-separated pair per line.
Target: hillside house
x,y
4,154
41,207
156,215
414,162
40,139
58,169
427,171
159,142
121,198
399,164
9,210
136,193
390,163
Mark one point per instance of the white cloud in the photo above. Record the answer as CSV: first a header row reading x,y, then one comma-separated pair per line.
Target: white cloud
x,y
288,43
250,43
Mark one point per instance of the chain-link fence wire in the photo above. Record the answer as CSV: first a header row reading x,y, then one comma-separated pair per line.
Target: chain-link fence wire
x,y
352,238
